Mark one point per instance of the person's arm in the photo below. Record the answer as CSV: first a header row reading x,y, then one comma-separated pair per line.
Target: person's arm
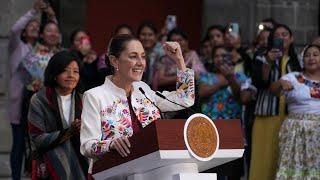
x,y
234,84
36,121
90,133
280,85
207,90
16,29
184,93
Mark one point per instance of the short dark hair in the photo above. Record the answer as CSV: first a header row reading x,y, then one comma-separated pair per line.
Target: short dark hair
x,y
43,26
126,26
74,33
177,31
213,27
57,65
148,24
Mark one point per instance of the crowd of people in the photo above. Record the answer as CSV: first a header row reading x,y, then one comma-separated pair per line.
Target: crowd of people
x,y
68,106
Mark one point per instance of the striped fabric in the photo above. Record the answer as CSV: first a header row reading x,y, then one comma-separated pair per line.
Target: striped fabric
x,y
267,103
55,148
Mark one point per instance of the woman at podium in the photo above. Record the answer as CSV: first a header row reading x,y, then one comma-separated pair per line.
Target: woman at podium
x,y
124,104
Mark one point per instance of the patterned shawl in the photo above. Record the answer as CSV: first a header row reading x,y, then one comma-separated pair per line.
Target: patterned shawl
x,y
55,145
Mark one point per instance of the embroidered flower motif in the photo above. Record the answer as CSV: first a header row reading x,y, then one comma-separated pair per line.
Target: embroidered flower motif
x,y
220,106
313,85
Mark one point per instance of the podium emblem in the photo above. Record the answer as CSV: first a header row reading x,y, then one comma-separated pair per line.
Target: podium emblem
x,y
201,137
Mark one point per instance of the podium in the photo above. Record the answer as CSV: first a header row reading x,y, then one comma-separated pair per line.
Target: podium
x,y
158,152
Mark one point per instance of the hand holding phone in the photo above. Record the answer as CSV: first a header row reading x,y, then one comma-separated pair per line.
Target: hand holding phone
x,y
234,29
277,44
85,45
171,22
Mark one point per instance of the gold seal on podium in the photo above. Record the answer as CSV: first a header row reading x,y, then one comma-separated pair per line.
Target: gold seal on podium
x,y
201,137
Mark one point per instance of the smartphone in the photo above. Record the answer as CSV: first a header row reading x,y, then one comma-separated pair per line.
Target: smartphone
x,y
171,22
234,29
277,44
227,59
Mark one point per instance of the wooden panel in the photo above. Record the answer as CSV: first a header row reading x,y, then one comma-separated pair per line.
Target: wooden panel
x,y
168,135
142,143
102,17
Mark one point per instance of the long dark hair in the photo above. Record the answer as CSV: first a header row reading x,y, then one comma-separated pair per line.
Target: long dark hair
x,y
294,62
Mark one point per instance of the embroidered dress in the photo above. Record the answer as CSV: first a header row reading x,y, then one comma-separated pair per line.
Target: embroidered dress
x,y
299,135
106,113
222,104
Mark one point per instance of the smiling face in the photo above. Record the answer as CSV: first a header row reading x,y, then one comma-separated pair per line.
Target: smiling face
x,y
32,30
216,37
131,62
219,55
69,78
312,59
77,39
147,37
51,34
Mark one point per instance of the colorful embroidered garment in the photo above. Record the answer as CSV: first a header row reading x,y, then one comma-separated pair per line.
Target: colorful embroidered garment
x,y
222,104
106,113
32,67
299,136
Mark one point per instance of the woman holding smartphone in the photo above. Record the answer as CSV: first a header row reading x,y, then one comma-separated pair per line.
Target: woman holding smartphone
x,y
270,109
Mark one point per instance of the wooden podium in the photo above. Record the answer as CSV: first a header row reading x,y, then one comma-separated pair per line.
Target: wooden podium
x,y
158,151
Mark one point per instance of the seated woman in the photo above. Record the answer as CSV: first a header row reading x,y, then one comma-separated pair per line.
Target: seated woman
x,y
299,135
118,109
54,122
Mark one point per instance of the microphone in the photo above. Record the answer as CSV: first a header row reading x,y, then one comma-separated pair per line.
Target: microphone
x,y
144,94
163,97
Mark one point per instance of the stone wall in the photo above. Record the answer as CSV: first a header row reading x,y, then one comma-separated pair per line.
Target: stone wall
x,y
302,16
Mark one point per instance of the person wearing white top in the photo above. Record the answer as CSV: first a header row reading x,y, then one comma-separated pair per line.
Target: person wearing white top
x,y
299,135
54,122
124,104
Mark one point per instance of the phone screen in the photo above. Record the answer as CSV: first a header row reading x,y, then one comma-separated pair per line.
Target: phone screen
x,y
171,22
278,44
234,29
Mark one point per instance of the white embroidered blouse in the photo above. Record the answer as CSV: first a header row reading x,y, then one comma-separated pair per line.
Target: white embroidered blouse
x,y
106,113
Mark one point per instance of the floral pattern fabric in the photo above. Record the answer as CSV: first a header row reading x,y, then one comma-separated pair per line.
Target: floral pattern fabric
x,y
32,67
222,104
299,135
106,114
299,148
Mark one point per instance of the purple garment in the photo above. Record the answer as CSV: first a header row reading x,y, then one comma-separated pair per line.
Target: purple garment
x,y
17,51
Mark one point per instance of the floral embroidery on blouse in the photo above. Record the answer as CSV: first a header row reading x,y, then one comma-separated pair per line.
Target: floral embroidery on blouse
x,y
313,85
113,126
185,84
147,112
98,148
